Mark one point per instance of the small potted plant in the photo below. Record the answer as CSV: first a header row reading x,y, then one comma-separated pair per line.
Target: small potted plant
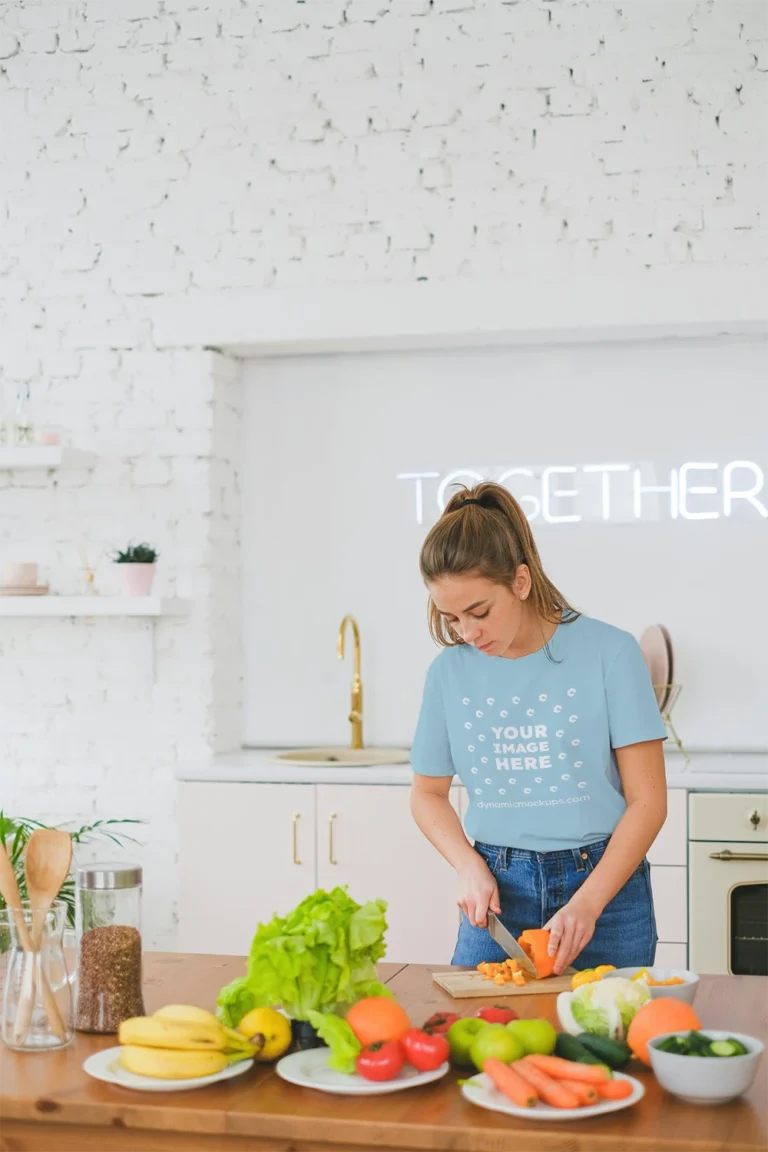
x,y
138,568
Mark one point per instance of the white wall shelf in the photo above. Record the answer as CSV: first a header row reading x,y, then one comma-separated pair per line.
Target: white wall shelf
x,y
45,456
92,606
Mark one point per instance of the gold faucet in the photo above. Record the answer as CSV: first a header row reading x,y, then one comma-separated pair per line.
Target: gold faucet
x,y
356,706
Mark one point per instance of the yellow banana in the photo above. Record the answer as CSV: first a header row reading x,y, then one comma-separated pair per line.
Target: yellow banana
x,y
151,1032
157,1032
170,1064
187,1014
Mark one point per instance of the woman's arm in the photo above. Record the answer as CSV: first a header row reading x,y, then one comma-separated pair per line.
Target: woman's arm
x,y
438,820
643,781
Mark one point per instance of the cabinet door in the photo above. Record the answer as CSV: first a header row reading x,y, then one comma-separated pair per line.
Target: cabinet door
x,y
670,899
368,840
671,845
246,851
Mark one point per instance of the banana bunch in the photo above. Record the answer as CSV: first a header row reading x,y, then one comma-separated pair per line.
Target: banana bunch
x,y
180,1042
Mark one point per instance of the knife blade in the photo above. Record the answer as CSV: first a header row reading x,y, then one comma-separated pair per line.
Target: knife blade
x,y
507,941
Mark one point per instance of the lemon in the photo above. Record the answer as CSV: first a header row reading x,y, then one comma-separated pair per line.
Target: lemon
x,y
269,1032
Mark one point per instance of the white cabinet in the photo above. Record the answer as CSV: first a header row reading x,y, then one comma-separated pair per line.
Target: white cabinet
x,y
368,840
247,851
251,850
671,956
670,899
671,844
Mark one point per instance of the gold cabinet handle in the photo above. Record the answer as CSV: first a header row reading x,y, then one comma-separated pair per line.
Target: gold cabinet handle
x,y
726,854
296,818
331,858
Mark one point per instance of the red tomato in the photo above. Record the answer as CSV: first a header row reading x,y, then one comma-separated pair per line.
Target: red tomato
x,y
424,1050
495,1014
382,1060
440,1022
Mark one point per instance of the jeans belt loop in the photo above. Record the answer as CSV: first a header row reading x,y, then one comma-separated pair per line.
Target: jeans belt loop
x,y
579,859
505,858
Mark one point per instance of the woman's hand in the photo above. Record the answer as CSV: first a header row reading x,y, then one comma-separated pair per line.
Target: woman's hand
x,y
571,929
478,891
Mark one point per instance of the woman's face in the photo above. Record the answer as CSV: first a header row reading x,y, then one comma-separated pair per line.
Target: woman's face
x,y
487,615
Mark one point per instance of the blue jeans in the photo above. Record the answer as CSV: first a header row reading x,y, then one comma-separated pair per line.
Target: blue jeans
x,y
534,885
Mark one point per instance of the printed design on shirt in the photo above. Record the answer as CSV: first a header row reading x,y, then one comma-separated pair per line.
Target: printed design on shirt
x,y
523,738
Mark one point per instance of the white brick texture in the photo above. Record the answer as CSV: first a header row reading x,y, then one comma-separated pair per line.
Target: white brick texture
x,y
169,147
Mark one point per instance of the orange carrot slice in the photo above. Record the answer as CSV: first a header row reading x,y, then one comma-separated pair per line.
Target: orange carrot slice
x,y
552,1092
514,1087
561,1069
614,1089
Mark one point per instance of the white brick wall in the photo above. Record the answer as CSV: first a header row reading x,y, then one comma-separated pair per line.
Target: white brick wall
x,y
168,147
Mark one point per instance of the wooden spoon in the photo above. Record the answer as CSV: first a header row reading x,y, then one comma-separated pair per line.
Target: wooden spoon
x,y
46,866
9,890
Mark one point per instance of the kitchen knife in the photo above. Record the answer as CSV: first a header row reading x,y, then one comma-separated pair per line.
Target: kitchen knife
x,y
507,941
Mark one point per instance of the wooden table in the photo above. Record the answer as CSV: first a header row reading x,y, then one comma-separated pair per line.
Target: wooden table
x,y
48,1104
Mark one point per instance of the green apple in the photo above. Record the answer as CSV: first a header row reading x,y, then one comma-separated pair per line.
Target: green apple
x,y
536,1036
495,1040
460,1036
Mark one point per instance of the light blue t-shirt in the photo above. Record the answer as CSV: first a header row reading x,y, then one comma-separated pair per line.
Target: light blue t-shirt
x,y
532,739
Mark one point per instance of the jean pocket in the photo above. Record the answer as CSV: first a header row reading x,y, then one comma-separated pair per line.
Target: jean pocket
x,y
492,856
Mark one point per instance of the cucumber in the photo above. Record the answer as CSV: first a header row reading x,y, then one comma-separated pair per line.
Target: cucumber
x,y
727,1048
569,1048
611,1052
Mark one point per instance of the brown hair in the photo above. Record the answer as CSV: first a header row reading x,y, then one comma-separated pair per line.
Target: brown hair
x,y
492,538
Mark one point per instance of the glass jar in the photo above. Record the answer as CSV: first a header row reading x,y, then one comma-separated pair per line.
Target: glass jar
x,y
108,920
37,994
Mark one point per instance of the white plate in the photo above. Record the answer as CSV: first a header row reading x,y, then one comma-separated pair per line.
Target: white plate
x,y
106,1066
310,1070
481,1091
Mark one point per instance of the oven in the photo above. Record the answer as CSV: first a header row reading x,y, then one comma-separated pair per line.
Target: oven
x,y
728,883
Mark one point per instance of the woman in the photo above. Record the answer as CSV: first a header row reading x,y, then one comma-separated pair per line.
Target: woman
x,y
550,720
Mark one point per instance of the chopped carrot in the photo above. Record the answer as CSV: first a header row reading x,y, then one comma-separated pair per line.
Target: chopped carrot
x,y
614,1089
506,1079
552,1092
567,1070
586,1093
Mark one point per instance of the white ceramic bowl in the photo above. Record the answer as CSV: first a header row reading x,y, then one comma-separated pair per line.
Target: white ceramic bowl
x,y
685,992
706,1079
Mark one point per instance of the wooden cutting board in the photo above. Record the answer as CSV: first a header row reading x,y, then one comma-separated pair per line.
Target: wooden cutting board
x,y
463,985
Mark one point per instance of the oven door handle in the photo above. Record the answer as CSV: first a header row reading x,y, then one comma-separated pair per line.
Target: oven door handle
x,y
726,854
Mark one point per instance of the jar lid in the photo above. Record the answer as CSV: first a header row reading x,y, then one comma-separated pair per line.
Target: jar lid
x,y
107,876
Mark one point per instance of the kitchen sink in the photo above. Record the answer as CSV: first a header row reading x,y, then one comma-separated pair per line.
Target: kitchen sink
x,y
343,757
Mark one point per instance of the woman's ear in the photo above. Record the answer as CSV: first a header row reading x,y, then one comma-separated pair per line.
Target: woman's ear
x,y
523,581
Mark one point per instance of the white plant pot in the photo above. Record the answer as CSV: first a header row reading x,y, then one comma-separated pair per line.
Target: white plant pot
x,y
137,579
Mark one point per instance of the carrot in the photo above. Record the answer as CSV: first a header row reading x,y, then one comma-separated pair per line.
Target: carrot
x,y
552,1092
614,1089
514,1087
586,1093
561,1069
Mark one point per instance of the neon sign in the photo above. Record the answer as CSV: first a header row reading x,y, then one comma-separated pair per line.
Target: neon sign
x,y
619,493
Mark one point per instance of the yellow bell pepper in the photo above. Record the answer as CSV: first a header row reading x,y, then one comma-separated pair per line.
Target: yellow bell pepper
x,y
591,975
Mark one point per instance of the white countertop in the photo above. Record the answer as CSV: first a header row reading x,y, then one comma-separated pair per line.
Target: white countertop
x,y
706,772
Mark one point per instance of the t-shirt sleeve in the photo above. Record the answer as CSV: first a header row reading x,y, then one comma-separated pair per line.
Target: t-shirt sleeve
x,y
633,711
431,751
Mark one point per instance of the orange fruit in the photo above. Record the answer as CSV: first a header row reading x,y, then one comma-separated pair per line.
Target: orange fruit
x,y
654,1019
377,1018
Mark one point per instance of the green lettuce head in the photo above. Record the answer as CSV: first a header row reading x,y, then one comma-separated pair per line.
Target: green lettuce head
x,y
607,1007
